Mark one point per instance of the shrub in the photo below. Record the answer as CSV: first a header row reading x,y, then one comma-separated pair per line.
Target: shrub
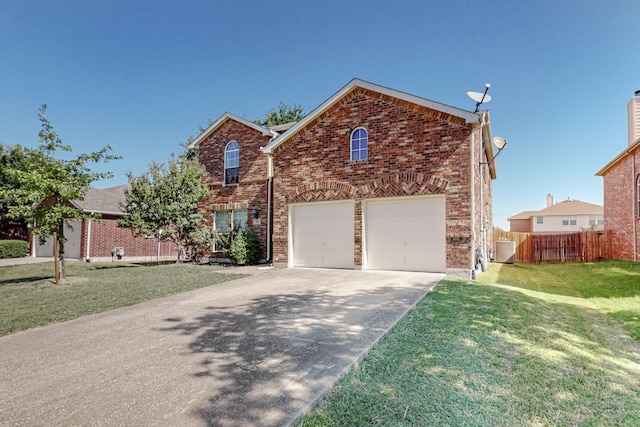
x,y
245,248
13,248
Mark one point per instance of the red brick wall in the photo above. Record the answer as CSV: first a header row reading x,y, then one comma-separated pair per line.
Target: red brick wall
x,y
620,206
252,188
412,150
520,225
106,235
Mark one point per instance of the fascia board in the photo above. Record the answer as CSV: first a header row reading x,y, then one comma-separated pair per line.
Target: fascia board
x,y
619,157
470,117
215,125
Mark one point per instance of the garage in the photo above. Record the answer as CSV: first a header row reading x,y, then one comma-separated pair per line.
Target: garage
x,y
322,234
405,233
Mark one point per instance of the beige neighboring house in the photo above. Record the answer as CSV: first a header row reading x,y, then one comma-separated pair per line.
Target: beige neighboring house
x,y
567,216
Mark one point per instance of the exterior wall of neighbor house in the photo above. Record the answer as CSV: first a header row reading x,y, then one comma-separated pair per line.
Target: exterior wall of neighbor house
x,y
252,189
553,224
412,151
520,225
104,235
621,206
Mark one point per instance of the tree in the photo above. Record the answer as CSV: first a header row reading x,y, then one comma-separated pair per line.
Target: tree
x,y
163,201
283,114
38,185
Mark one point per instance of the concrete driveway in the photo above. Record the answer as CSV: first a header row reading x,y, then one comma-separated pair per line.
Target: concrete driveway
x,y
257,351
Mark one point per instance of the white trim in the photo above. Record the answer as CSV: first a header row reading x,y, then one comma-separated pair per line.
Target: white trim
x,y
224,168
215,125
360,149
470,117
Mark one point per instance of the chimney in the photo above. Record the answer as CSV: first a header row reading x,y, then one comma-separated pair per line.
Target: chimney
x,y
633,114
549,200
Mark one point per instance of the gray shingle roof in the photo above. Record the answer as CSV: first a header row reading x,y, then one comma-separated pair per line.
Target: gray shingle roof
x,y
104,201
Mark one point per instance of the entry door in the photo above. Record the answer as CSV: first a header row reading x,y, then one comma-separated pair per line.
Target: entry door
x,y
322,234
406,234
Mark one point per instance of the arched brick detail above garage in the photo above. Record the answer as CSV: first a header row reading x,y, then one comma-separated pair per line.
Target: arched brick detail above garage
x,y
321,191
405,184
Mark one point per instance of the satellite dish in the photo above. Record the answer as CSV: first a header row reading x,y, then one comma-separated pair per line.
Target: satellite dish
x,y
479,97
499,142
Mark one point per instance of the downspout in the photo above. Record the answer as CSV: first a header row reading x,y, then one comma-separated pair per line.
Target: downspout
x,y
634,200
88,257
473,205
269,186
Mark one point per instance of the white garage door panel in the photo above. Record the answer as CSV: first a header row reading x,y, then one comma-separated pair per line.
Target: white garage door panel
x,y
406,234
322,235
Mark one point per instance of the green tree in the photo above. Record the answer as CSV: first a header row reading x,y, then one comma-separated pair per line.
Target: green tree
x,y
163,201
38,185
281,115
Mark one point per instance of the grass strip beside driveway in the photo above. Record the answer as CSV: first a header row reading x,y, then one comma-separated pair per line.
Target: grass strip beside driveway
x,y
479,354
29,298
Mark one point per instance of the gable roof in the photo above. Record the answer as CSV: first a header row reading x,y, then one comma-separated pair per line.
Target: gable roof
x,y
565,207
468,116
619,157
104,201
228,116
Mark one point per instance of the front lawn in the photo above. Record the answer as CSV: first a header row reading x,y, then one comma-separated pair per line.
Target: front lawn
x,y
30,298
531,345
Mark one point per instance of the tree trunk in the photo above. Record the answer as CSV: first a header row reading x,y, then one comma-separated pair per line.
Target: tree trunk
x,y
61,251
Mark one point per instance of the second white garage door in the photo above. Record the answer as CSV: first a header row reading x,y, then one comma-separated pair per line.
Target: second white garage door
x,y
322,234
406,234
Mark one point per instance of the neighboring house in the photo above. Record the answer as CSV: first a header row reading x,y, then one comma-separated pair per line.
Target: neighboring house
x,y
567,216
373,178
237,177
94,240
621,179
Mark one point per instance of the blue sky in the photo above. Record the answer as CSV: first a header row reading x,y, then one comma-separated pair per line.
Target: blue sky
x,y
142,76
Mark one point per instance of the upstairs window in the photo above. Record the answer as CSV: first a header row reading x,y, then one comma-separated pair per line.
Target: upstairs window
x,y
569,220
359,144
638,196
539,220
231,162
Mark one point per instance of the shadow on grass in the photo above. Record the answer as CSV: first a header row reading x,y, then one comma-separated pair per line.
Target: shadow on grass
x,y
265,362
475,355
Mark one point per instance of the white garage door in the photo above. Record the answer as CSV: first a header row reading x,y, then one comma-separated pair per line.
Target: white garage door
x,y
406,234
71,247
322,234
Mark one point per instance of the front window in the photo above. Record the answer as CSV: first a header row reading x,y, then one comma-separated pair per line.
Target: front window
x,y
359,144
221,225
240,219
231,162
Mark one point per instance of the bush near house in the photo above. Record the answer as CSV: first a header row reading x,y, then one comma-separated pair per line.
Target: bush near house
x,y
245,248
13,248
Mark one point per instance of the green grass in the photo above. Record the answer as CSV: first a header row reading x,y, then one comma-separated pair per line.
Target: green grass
x,y
30,298
525,345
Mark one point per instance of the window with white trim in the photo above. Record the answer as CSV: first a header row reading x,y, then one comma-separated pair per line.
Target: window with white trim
x,y
359,144
539,220
596,219
638,186
231,162
569,220
221,224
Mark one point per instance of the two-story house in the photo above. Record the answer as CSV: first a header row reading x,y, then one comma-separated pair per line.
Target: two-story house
x,y
567,216
373,178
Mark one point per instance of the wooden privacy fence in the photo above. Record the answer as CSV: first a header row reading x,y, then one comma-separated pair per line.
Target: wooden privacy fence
x,y
585,246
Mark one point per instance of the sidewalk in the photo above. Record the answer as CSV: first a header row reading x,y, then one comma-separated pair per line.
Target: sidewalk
x,y
5,262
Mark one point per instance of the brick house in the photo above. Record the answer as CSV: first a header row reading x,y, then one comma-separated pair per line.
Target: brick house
x,y
237,177
621,187
94,240
567,216
375,178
